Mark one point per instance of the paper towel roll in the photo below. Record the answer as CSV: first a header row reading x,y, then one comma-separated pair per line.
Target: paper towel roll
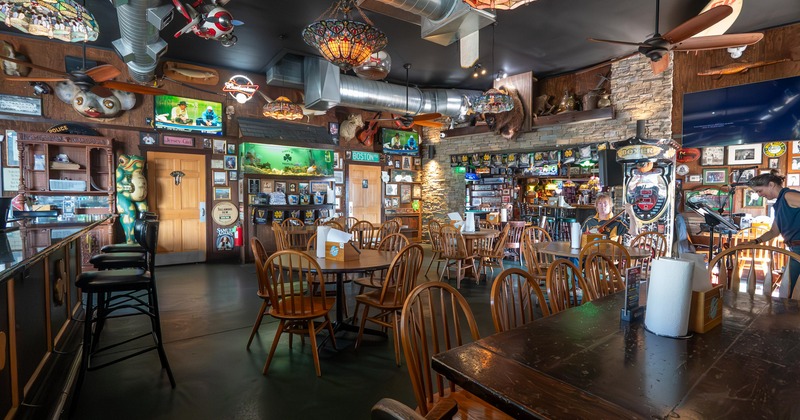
x,y
322,236
575,235
669,297
503,215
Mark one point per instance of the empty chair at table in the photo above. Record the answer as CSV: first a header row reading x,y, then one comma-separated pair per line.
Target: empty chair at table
x,y
281,239
454,251
260,255
435,234
335,225
490,251
390,409
516,299
374,279
363,234
655,244
726,269
514,239
387,228
535,262
349,222
565,286
436,318
758,259
536,235
612,249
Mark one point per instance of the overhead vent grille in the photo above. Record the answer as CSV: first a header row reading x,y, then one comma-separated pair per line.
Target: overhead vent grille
x,y
287,72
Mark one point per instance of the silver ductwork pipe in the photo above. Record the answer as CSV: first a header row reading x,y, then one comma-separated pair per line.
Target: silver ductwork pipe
x,y
431,9
140,46
444,21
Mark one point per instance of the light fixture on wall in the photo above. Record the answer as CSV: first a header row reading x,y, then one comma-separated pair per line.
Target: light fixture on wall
x,y
500,75
282,109
478,70
344,42
493,100
240,87
496,4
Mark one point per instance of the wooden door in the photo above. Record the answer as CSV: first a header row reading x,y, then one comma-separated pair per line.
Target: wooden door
x,y
366,201
182,232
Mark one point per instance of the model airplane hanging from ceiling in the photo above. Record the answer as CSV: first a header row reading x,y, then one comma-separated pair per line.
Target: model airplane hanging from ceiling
x,y
208,20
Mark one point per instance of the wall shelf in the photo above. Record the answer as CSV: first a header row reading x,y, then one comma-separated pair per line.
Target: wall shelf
x,y
574,117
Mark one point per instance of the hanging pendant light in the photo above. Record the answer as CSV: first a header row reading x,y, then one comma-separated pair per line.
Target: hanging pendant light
x,y
344,42
493,100
496,4
283,109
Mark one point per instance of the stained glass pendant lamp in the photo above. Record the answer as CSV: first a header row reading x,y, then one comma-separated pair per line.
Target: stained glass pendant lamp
x,y
283,109
344,42
496,4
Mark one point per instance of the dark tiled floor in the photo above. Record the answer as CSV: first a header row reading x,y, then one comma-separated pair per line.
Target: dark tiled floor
x,y
207,313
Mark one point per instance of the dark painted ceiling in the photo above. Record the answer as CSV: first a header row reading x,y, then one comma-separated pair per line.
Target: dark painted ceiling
x,y
546,36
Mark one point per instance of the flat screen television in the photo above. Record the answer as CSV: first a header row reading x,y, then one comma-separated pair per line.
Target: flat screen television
x,y
752,113
175,113
399,142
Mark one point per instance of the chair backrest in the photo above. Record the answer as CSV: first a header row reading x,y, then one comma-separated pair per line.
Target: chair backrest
x,y
394,242
531,257
319,221
149,241
433,226
537,234
452,243
485,224
334,224
492,247
564,280
312,242
602,276
363,234
435,318
737,268
515,296
401,276
290,277
291,221
387,228
349,222
609,248
653,242
281,239
748,234
259,253
514,237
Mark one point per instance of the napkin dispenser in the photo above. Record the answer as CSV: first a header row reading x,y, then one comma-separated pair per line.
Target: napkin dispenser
x,y
341,251
706,310
591,237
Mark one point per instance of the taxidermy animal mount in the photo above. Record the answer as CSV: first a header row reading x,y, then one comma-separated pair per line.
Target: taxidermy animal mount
x,y
12,69
509,123
348,128
91,105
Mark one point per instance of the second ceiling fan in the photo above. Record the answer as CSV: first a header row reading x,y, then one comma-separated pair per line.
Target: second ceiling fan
x,y
407,120
680,37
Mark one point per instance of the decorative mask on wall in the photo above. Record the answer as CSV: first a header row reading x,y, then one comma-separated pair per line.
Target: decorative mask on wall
x,y
91,105
131,192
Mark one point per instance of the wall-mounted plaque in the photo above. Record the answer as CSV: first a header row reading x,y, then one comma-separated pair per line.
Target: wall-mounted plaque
x,y
23,105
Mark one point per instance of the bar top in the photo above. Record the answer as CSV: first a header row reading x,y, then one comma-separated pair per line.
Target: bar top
x,y
16,252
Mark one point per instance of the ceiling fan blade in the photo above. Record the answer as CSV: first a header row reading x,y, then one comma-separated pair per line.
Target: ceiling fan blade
x,y
425,117
697,24
718,41
432,124
130,87
381,119
101,91
35,66
611,41
661,65
34,79
103,72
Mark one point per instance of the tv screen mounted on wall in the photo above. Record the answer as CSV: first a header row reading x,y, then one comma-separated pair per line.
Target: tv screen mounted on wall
x,y
400,142
745,114
176,113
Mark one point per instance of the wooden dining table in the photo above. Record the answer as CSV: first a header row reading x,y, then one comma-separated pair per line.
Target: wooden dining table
x,y
471,237
564,250
585,363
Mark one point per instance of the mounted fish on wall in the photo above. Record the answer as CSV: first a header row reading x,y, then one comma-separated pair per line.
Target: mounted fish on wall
x,y
190,73
91,105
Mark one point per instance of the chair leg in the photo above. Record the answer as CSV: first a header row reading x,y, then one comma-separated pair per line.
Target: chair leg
x,y
361,327
433,258
330,331
396,328
313,338
441,276
459,274
274,345
358,304
257,324
157,330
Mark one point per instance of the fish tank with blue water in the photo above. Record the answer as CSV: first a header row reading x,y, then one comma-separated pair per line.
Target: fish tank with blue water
x,y
269,159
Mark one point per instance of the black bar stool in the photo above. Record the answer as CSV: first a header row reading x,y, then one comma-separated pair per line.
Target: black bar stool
x,y
134,247
116,286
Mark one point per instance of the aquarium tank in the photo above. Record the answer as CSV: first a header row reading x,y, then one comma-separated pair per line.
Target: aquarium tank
x,y
268,159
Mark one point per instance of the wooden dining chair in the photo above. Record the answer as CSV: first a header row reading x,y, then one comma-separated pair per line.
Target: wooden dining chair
x,y
655,244
349,222
609,248
334,224
363,234
390,409
536,235
328,279
397,284
281,240
732,268
514,238
387,228
485,224
289,277
490,252
436,318
759,258
454,251
374,279
260,255
515,297
565,286
435,235
602,276
291,221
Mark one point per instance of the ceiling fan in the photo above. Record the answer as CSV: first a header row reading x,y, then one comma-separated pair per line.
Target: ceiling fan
x,y
679,38
97,79
407,120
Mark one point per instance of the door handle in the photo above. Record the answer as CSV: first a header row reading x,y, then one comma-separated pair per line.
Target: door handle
x,y
202,212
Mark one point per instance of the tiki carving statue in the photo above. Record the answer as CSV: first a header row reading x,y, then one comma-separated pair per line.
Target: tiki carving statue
x,y
131,192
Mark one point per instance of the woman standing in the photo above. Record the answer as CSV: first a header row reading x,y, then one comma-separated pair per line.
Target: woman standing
x,y
787,216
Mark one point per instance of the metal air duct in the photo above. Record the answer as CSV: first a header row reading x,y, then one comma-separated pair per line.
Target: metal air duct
x,y
140,46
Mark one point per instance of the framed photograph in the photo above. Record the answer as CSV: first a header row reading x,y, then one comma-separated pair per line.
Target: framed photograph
x,y
506,199
752,199
253,186
406,162
230,162
333,129
23,105
416,191
267,186
395,201
292,188
715,176
302,187
207,143
177,141
397,164
280,186
389,159
417,162
217,164
773,163
793,180
746,154
507,191
795,164
391,189
337,191
405,193
305,199
220,178
694,178
220,146
796,147
38,162
222,193
743,176
233,175
147,138
713,156
336,163
338,177
320,187
12,154
231,149
348,154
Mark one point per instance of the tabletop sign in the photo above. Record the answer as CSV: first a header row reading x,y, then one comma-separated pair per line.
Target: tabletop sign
x,y
359,156
225,213
632,310
23,105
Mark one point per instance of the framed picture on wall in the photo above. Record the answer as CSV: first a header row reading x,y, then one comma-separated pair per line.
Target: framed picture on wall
x,y
338,177
746,154
280,186
794,165
796,147
715,176
773,163
752,199
713,156
220,146
391,189
416,191
694,178
220,178
266,186
222,193
793,180
405,193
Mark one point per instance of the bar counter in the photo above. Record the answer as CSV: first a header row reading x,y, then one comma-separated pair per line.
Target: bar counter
x,y
39,261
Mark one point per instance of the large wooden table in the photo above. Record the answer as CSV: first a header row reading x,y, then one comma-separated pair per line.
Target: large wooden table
x,y
584,363
563,249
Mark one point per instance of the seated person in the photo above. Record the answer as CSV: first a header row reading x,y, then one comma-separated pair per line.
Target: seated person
x,y
179,114
208,118
615,229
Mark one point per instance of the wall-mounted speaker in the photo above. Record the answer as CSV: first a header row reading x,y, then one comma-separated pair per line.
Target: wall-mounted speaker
x,y
431,152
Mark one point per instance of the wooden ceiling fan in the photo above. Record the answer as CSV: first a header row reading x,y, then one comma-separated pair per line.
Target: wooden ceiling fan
x,y
679,38
407,120
97,79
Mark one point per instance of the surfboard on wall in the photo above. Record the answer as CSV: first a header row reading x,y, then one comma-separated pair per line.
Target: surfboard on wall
x,y
722,26
190,73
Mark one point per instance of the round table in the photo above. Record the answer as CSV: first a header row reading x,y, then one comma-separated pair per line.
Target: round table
x,y
470,237
563,249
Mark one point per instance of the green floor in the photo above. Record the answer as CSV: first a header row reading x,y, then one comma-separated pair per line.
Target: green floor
x,y
207,313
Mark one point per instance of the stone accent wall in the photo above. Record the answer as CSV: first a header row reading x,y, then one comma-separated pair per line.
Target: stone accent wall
x,y
636,94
